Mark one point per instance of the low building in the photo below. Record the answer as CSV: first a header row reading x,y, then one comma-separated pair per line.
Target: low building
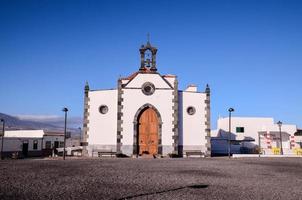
x,y
31,143
52,141
22,143
251,135
298,138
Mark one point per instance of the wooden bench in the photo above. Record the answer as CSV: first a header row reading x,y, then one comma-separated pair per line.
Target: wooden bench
x,y
193,153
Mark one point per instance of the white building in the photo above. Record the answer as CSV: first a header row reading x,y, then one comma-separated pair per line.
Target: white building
x,y
24,143
248,134
298,139
30,143
147,114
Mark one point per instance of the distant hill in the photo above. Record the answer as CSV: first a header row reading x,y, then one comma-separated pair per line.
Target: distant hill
x,y
16,123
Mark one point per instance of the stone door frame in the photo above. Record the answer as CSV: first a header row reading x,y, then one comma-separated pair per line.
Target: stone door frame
x,y
136,124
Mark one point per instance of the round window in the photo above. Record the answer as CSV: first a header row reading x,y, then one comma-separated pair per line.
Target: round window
x,y
191,110
103,109
148,88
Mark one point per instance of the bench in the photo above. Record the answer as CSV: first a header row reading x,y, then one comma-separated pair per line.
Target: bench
x,y
189,153
106,153
103,152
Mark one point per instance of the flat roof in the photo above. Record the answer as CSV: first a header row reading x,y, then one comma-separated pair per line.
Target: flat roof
x,y
24,133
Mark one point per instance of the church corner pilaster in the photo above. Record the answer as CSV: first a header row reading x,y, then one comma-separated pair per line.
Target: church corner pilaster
x,y
119,135
175,137
84,142
208,121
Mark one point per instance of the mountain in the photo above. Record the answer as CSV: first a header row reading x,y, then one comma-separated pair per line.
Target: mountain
x,y
23,123
58,121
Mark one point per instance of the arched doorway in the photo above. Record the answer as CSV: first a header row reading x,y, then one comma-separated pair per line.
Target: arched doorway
x,y
147,131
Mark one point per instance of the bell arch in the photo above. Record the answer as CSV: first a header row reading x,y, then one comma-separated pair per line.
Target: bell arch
x,y
136,128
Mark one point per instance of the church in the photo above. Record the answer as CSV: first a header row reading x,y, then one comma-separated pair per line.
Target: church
x,y
147,114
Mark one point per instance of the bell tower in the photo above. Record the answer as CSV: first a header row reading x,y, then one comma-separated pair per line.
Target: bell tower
x,y
148,57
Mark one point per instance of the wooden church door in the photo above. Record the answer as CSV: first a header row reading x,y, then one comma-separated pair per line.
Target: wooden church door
x,y
148,132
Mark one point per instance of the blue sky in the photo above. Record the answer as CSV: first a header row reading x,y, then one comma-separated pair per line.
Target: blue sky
x,y
250,52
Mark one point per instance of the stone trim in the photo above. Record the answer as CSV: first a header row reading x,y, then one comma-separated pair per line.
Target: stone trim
x,y
139,88
135,128
85,120
140,72
119,135
175,137
208,121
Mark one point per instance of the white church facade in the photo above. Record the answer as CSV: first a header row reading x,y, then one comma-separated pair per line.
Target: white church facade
x,y
147,114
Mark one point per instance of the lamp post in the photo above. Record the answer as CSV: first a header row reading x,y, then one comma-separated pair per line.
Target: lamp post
x,y
65,110
229,136
3,121
80,129
280,124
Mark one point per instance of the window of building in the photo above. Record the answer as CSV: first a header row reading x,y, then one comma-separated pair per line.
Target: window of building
x,y
148,88
191,110
239,129
103,109
48,144
61,144
35,144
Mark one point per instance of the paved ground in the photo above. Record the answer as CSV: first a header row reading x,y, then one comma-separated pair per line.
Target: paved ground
x,y
206,178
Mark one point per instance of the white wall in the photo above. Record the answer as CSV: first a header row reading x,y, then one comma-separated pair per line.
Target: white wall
x,y
192,127
102,127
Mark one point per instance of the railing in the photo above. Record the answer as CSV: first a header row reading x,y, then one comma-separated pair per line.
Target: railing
x,y
276,151
298,151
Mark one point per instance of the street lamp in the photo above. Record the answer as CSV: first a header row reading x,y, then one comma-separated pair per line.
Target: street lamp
x,y
229,138
80,129
280,124
3,121
65,110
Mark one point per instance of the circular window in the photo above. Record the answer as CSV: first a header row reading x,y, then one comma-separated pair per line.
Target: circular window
x,y
148,88
191,110
103,109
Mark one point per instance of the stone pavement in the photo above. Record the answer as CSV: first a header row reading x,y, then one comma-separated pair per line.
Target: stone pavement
x,y
130,178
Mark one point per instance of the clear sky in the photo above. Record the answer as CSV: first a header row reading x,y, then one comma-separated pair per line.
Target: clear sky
x,y
250,52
